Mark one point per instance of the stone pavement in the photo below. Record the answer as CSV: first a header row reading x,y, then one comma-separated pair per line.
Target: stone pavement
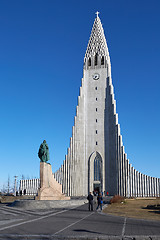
x,y
75,223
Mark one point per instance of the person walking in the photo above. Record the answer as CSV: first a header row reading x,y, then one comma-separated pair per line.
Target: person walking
x,y
99,201
90,202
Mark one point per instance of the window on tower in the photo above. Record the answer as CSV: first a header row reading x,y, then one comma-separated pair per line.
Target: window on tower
x,y
96,59
102,60
89,62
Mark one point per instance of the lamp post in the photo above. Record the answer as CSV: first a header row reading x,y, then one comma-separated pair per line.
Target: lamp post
x,y
15,185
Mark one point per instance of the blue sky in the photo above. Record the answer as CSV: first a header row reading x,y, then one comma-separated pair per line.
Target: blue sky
x,y
42,46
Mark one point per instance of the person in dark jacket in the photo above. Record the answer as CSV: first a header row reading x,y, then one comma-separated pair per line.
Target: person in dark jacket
x,y
90,202
99,201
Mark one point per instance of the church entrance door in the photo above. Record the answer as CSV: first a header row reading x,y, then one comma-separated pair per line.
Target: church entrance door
x,y
95,170
97,187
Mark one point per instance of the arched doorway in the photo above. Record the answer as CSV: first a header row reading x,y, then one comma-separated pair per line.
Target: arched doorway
x,y
95,170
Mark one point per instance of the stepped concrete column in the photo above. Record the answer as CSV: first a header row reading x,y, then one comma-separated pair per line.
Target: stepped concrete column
x,y
151,187
127,173
125,166
147,186
154,186
138,191
135,182
130,176
132,182
142,183
152,190
63,178
142,177
157,183
149,183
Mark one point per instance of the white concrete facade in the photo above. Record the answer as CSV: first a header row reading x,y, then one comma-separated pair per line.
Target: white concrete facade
x,y
29,186
96,156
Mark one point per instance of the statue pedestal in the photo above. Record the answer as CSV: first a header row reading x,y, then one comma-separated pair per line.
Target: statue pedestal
x,y
50,189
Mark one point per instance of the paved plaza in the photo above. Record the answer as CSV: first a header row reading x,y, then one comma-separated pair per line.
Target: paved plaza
x,y
75,223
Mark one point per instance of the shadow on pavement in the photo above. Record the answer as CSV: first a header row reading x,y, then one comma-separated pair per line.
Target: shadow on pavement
x,y
87,231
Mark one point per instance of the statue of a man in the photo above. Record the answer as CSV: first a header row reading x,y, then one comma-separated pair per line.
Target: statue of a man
x,y
43,152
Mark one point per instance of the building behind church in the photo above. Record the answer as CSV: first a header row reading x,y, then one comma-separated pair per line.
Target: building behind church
x,y
29,186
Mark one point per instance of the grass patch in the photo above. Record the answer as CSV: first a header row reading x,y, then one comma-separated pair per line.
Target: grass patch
x,y
10,199
143,208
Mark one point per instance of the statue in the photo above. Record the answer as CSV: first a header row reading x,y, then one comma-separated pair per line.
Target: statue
x,y
43,152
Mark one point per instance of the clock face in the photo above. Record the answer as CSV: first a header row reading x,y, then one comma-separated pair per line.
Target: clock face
x,y
96,76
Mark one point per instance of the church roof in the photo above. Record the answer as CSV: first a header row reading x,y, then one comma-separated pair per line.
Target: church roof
x,y
97,42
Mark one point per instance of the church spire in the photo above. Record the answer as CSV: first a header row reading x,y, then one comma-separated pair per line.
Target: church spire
x,y
97,50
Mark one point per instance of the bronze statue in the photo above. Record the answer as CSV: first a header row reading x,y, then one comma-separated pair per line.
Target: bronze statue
x,y
43,152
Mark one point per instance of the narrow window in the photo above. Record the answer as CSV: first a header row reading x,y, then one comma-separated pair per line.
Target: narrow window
x,y
97,169
89,62
96,59
96,131
95,88
96,109
96,143
96,120
102,60
96,99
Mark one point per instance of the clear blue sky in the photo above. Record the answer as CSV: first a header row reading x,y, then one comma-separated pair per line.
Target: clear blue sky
x,y
42,46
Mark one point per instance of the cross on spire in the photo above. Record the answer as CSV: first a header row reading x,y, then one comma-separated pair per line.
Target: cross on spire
x,y
97,13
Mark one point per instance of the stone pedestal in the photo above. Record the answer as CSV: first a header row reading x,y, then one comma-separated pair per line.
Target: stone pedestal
x,y
50,189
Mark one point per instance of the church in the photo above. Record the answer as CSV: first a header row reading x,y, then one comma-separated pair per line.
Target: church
x,y
96,159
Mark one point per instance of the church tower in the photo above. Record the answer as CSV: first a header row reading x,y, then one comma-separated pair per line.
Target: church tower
x,y
96,159
99,149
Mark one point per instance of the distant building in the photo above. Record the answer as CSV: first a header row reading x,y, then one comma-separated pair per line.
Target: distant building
x,y
29,186
96,159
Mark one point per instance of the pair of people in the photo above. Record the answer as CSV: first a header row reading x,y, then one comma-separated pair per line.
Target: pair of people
x,y
90,201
